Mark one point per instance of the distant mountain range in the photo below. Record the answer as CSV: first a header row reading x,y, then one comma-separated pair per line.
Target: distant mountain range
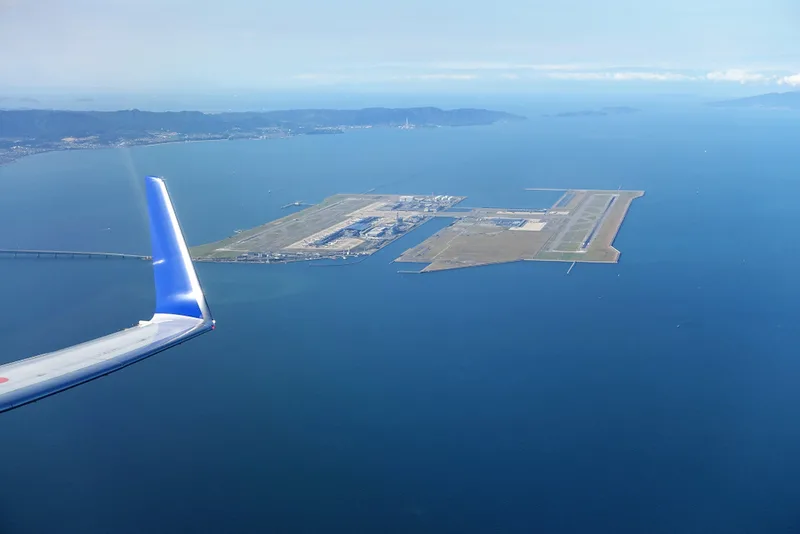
x,y
790,100
24,132
47,125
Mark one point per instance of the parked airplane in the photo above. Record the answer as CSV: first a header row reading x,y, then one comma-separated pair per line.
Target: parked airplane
x,y
181,313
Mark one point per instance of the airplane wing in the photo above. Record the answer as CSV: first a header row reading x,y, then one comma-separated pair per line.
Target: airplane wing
x,y
181,313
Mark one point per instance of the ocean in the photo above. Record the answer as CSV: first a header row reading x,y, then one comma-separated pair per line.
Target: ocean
x,y
656,395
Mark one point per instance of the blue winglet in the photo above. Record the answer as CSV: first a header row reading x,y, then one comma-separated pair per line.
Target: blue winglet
x,y
178,290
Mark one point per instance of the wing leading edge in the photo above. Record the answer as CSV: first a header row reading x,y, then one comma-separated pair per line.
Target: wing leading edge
x,y
181,313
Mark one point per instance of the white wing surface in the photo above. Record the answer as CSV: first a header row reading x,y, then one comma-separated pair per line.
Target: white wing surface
x,y
181,313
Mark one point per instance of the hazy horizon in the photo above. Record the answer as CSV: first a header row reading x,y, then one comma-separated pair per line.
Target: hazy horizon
x,y
266,101
175,46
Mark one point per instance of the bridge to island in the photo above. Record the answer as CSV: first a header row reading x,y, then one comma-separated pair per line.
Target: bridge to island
x,y
17,253
579,227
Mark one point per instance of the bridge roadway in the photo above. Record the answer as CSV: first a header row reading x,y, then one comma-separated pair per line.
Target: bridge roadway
x,y
70,253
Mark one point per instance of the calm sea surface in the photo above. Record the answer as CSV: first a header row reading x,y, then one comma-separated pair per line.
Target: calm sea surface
x,y
658,395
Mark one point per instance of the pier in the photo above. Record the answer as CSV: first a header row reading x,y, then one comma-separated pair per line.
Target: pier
x,y
295,204
16,253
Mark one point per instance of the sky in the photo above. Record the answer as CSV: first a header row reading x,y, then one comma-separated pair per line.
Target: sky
x,y
502,45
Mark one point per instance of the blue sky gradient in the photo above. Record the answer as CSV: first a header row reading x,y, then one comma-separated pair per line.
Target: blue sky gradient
x,y
464,45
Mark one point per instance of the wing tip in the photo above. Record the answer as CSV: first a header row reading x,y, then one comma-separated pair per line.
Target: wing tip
x,y
178,290
153,179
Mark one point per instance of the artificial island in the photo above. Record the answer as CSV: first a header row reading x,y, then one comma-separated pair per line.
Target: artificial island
x,y
579,227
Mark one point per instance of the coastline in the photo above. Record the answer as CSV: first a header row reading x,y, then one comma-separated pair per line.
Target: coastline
x,y
37,152
31,132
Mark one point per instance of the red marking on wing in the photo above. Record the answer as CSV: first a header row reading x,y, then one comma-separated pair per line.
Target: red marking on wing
x,y
3,380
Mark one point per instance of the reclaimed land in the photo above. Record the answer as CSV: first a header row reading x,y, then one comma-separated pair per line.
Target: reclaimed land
x,y
580,227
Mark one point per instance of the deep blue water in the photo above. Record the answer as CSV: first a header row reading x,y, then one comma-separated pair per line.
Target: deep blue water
x,y
656,395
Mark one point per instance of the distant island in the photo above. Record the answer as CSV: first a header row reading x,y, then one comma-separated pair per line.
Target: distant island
x,y
602,112
778,101
26,132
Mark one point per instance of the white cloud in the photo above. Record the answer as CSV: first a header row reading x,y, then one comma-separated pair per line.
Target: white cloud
x,y
439,76
309,76
462,72
730,75
327,77
486,65
582,76
652,76
321,78
793,80
736,75
621,76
